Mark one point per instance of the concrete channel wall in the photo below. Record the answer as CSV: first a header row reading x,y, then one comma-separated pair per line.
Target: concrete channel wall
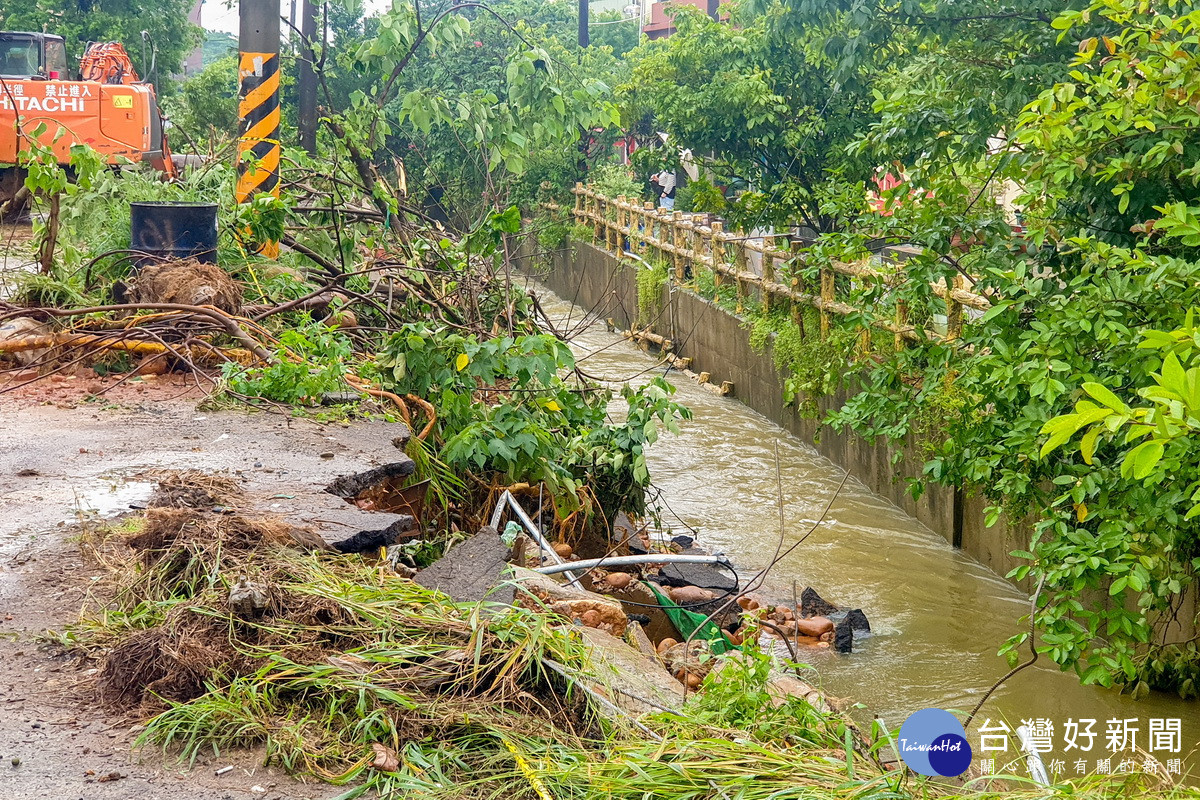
x,y
719,343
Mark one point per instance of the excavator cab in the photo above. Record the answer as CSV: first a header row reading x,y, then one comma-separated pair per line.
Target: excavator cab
x,y
33,56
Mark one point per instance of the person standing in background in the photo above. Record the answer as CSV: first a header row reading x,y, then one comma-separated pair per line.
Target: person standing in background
x,y
666,184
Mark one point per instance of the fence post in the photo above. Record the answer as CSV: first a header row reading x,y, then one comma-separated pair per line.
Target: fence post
x,y
597,216
655,230
741,265
627,237
796,309
901,322
619,223
614,233
716,250
827,296
690,240
954,312
647,229
768,273
676,221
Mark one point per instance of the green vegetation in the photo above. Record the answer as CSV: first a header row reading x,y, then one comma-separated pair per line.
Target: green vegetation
x,y
316,367
813,367
700,196
206,104
650,282
538,426
1045,157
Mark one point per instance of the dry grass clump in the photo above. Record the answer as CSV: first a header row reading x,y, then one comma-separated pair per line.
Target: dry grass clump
x,y
171,662
194,489
180,567
171,532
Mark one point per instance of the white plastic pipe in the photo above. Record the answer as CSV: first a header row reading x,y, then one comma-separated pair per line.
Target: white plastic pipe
x,y
625,561
527,523
1037,770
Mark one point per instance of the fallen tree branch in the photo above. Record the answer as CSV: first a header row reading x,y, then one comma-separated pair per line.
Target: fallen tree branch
x,y
88,340
227,322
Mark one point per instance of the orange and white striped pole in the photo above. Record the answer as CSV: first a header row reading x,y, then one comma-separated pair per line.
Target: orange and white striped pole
x,y
258,104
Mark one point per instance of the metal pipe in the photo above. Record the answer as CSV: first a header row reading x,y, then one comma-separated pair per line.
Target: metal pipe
x,y
1037,770
626,561
527,523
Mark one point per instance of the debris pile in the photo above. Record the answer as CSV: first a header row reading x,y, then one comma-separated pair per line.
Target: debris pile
x,y
204,606
231,627
182,282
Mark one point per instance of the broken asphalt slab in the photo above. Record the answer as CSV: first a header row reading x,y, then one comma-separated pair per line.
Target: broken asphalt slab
x,y
472,570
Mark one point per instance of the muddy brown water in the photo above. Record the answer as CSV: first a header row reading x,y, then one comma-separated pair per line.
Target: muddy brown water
x,y
938,616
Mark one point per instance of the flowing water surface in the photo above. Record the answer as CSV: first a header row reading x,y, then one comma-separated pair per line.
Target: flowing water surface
x,y
938,616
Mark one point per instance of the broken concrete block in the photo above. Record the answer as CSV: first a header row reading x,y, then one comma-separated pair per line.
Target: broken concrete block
x,y
626,533
843,636
471,571
858,621
369,541
781,687
634,681
813,605
706,576
637,637
349,486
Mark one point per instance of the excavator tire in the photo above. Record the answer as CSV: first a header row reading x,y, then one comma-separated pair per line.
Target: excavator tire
x,y
14,197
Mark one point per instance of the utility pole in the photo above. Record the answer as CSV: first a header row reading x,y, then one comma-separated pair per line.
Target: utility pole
x,y
306,79
583,23
258,103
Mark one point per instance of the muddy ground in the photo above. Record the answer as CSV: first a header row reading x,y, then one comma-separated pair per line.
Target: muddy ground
x,y
69,459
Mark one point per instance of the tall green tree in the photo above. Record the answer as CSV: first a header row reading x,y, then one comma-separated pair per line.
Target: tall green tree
x,y
1102,163
759,103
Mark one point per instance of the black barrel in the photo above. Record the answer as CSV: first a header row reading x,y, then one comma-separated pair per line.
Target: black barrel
x,y
174,230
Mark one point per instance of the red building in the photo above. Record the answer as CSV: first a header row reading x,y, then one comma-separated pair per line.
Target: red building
x,y
660,25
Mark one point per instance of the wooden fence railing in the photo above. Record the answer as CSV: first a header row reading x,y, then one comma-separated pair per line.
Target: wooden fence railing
x,y
686,241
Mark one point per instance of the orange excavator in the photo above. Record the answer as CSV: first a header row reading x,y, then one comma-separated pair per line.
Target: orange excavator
x,y
108,108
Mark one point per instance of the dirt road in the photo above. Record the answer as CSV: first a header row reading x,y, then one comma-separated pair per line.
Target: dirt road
x,y
62,467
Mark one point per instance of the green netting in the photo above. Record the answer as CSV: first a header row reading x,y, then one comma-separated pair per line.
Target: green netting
x,y
686,622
